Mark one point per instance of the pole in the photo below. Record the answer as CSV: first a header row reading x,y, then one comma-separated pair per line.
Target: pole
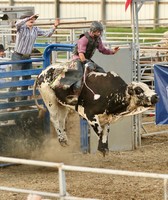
x,y
11,2
103,11
156,14
57,9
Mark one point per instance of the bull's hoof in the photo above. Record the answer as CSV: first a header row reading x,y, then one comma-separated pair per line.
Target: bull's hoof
x,y
103,147
63,142
103,151
72,99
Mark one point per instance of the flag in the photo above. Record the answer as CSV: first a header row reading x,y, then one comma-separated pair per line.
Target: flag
x,y
127,3
161,88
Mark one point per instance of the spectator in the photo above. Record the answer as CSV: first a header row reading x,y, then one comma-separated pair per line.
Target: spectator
x,y
3,58
2,51
25,39
2,55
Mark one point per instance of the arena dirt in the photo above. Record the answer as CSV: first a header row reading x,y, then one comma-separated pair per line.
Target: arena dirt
x,y
151,157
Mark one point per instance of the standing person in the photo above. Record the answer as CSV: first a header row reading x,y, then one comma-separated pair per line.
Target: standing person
x,y
2,51
2,55
25,38
3,58
85,49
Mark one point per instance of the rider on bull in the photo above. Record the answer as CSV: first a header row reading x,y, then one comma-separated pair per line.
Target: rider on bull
x,y
84,50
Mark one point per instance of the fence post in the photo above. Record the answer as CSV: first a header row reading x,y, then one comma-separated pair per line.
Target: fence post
x,y
84,129
165,189
62,182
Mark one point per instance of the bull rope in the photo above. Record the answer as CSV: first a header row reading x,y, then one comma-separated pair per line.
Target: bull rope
x,y
96,96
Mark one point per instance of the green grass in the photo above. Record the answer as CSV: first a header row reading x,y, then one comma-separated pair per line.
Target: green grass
x,y
141,30
153,30
124,32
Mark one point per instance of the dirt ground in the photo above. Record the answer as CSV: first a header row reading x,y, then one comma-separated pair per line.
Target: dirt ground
x,y
151,157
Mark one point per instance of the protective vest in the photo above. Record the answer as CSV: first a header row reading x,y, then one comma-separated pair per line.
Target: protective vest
x,y
91,46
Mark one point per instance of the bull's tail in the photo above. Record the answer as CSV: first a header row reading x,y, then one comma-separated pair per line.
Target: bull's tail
x,y
41,109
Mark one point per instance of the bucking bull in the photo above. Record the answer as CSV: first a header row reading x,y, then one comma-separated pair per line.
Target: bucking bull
x,y
104,98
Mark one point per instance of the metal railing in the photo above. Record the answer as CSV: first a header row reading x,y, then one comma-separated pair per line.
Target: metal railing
x,y
63,195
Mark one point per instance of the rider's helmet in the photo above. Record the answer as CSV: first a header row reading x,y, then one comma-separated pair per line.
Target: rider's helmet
x,y
96,26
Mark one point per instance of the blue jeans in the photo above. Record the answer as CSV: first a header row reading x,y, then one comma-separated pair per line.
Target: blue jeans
x,y
19,66
80,66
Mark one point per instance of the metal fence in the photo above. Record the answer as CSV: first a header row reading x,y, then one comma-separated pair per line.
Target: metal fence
x,y
63,195
112,11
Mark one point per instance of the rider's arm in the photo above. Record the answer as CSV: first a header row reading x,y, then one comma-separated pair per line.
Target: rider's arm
x,y
82,57
105,50
82,44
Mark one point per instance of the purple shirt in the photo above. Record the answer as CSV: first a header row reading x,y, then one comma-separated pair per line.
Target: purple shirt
x,y
82,44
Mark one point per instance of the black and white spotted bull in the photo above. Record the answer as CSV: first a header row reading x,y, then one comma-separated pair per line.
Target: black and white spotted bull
x,y
104,98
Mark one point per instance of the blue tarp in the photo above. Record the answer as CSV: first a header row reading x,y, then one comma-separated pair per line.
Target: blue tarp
x,y
161,88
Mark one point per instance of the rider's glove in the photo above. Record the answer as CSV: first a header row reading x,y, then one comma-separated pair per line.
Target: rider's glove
x,y
84,62
90,65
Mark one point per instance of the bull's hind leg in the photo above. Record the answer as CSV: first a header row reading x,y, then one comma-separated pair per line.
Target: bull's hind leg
x,y
102,134
58,113
59,121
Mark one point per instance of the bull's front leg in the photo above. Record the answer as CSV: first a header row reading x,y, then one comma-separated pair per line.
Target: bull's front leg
x,y
103,141
102,134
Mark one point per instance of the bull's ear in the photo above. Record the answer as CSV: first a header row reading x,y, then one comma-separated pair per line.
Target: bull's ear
x,y
130,90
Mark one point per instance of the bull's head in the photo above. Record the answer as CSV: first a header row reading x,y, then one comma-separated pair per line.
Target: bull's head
x,y
141,95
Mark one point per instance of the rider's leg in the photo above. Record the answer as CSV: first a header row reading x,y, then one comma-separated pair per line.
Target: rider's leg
x,y
98,68
78,84
73,99
77,87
